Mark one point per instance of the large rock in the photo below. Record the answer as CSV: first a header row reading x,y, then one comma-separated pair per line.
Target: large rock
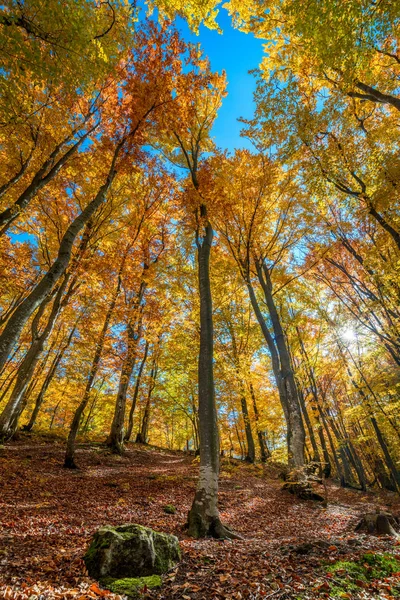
x,y
131,551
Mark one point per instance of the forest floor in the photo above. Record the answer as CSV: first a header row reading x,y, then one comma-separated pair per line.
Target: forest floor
x,y
48,514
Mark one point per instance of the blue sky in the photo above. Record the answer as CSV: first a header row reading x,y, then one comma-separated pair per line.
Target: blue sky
x,y
236,53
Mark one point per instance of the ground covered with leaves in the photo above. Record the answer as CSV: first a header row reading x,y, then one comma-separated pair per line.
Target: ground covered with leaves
x,y
290,548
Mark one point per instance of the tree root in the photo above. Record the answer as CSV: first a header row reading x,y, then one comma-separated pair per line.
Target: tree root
x,y
69,463
199,526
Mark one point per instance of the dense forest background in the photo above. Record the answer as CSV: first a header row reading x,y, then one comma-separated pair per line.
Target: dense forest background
x,y
156,288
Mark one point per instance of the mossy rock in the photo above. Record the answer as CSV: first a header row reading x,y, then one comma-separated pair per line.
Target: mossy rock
x,y
350,576
131,551
131,586
169,509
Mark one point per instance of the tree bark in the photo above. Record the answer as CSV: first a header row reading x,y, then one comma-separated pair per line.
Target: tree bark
x,y
203,517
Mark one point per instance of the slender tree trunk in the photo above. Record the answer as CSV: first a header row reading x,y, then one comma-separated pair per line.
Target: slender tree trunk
x,y
134,330
135,393
142,436
282,370
274,360
69,461
47,381
241,442
388,457
264,450
287,375
203,517
12,411
251,451
315,457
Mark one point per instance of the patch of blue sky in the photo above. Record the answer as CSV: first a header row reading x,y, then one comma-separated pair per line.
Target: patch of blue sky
x,y
236,53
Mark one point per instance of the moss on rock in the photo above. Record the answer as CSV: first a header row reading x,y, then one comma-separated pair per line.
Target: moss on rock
x,y
131,586
130,551
169,509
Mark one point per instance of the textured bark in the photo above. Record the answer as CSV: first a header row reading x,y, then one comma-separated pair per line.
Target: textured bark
x,y
297,441
283,372
17,321
315,457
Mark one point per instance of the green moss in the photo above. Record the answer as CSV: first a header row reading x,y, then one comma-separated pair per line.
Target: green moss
x,y
165,548
170,509
131,586
380,565
97,544
351,575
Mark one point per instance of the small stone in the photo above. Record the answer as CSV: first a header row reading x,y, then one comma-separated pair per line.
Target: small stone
x,y
170,509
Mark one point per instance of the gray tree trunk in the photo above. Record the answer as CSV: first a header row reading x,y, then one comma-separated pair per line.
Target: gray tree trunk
x,y
203,517
296,440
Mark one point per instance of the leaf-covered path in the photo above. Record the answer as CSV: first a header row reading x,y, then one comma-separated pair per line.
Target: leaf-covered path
x,y
48,515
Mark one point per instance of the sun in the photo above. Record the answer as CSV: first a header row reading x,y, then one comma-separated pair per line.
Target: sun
x,y
349,334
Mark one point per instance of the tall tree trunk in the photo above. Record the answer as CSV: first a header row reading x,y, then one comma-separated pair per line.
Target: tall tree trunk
x,y
240,440
51,372
19,318
264,450
142,436
380,437
283,372
135,393
251,451
15,405
315,457
203,517
69,460
286,371
134,331
274,360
